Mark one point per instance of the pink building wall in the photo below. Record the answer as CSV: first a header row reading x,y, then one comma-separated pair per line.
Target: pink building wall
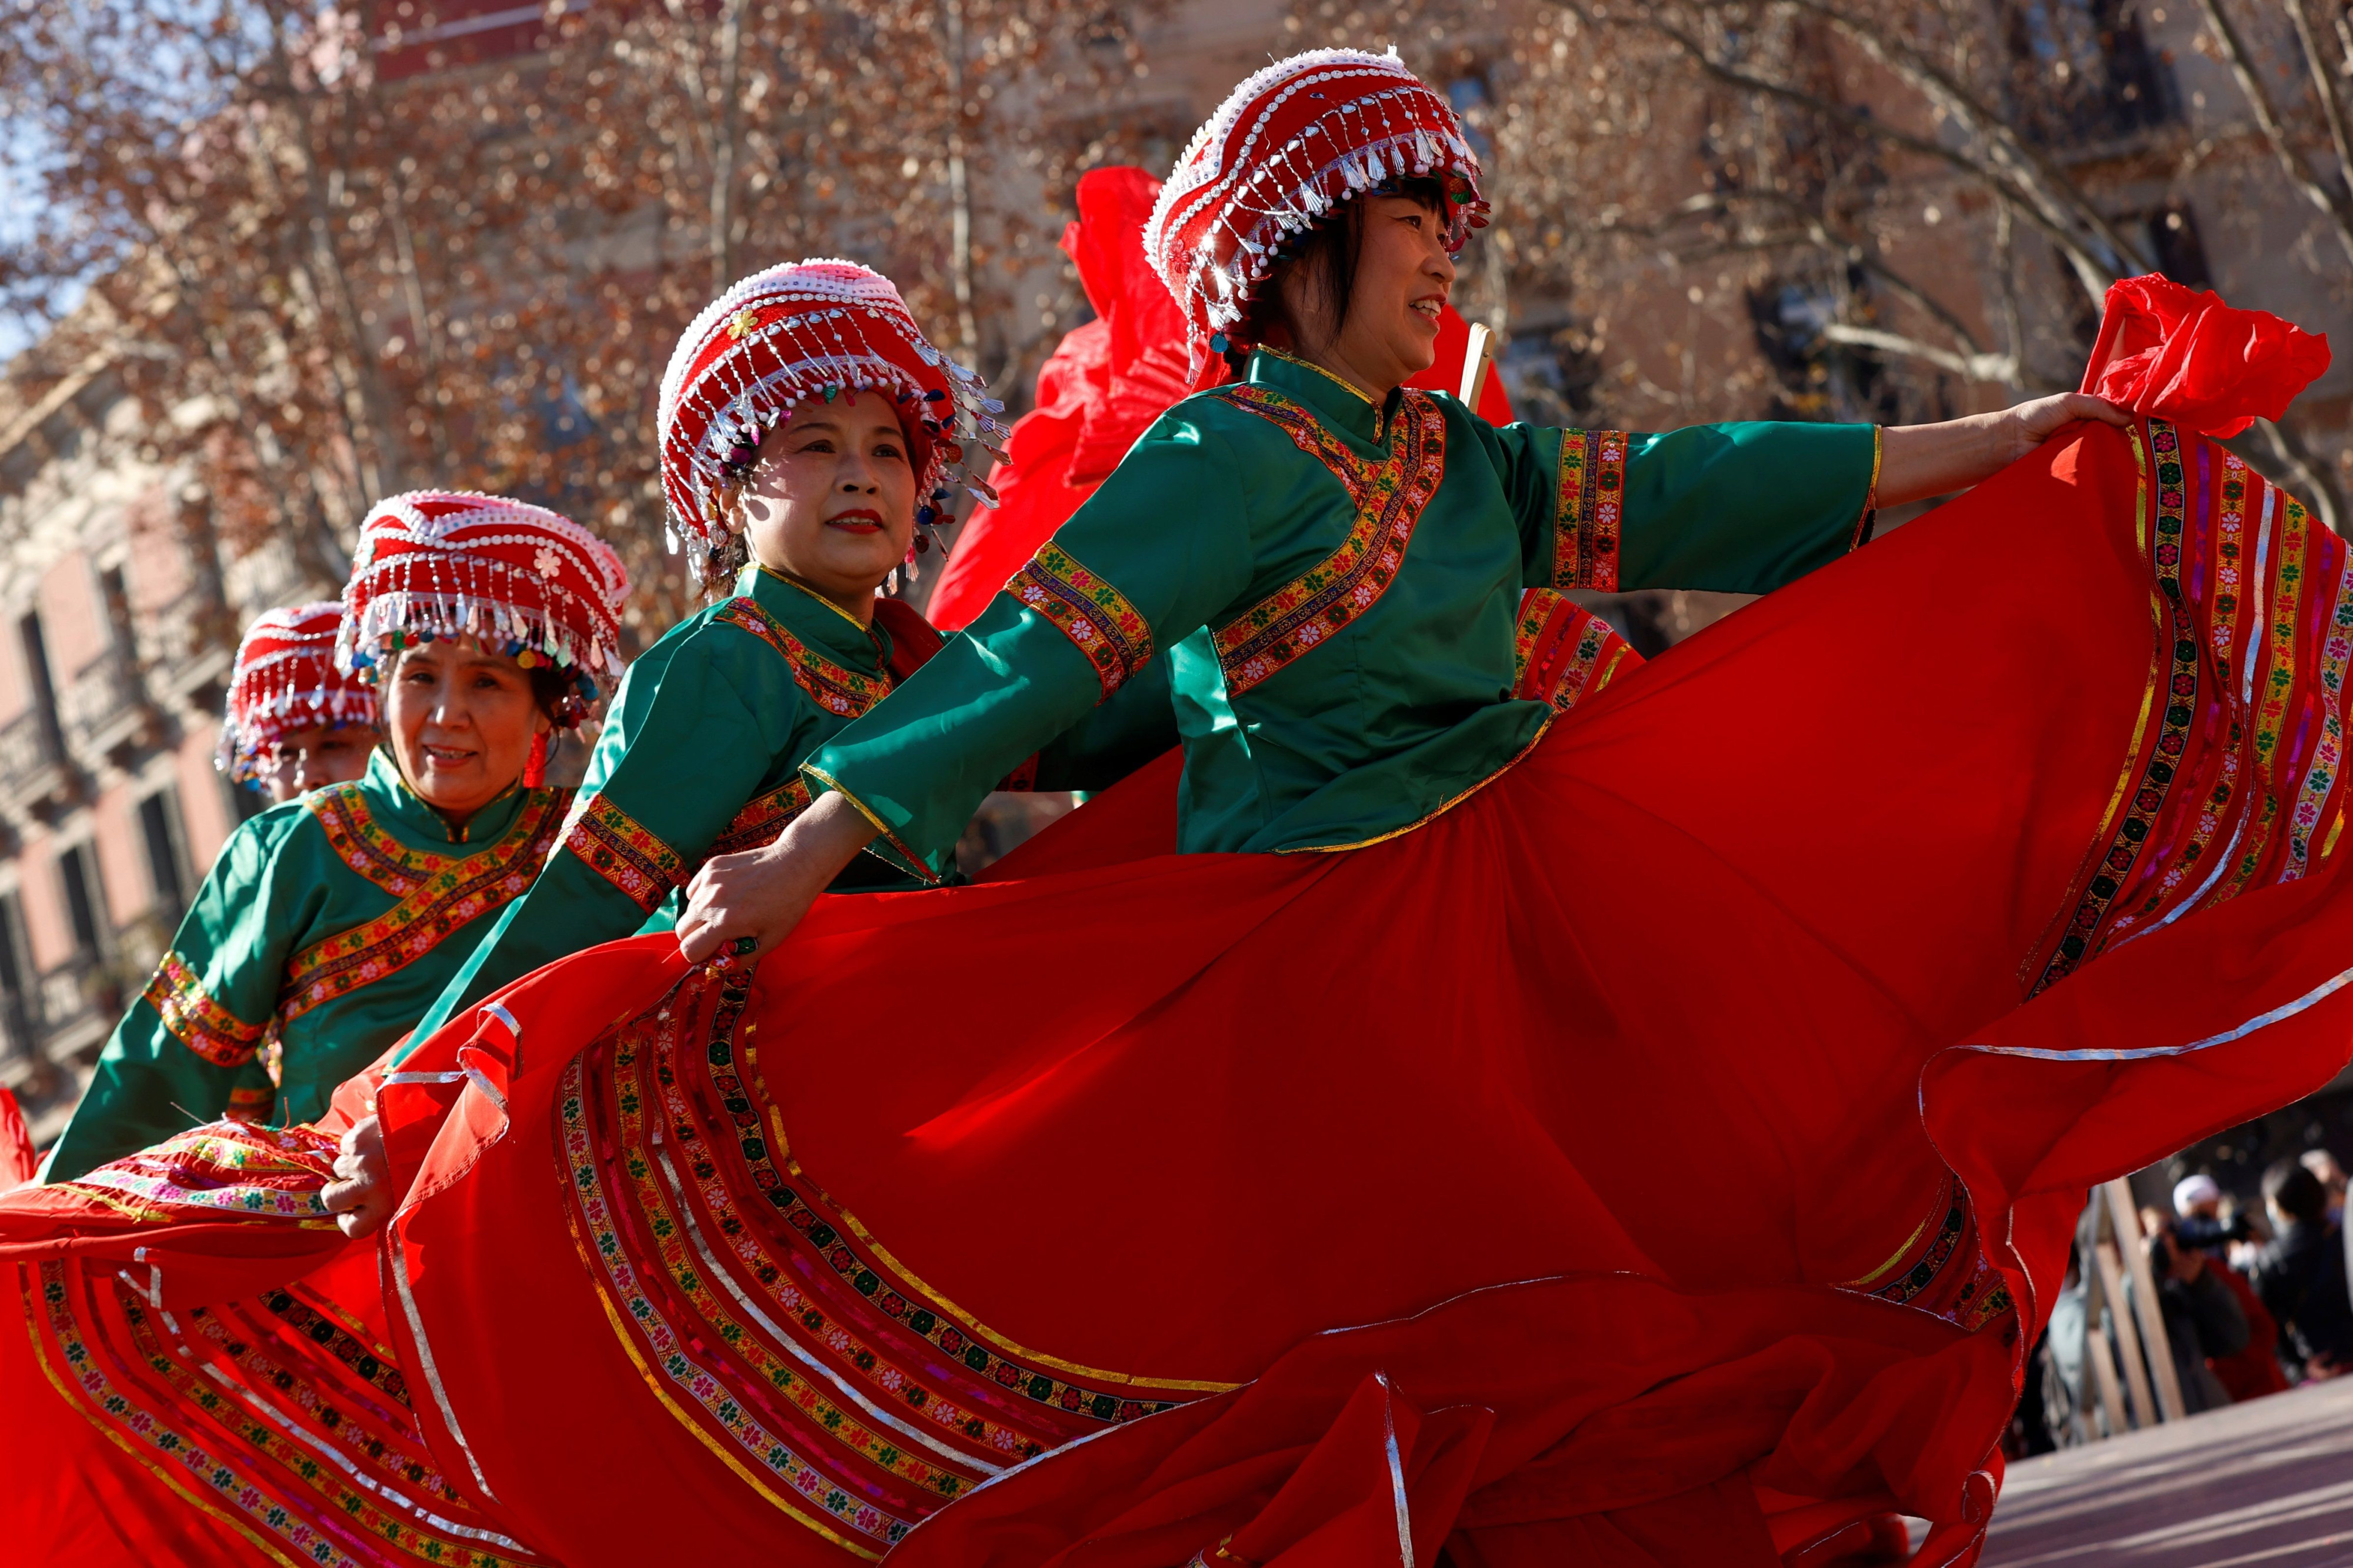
x,y
48,928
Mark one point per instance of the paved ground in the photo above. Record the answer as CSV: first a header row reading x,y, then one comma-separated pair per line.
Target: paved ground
x,y
2267,1483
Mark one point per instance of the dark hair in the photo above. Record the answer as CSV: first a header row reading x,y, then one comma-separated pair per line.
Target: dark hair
x,y
717,563
1326,258
2296,1190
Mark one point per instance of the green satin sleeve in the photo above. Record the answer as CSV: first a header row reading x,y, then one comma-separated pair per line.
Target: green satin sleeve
x,y
698,728
190,1038
1155,553
1135,726
1739,508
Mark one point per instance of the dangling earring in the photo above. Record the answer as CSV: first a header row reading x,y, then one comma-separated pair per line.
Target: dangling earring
x,y
535,772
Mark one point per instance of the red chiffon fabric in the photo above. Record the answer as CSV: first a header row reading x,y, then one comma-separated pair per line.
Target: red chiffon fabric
x,y
2169,353
1695,1116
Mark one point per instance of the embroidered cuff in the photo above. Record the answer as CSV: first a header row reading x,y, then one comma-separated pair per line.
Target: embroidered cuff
x,y
760,824
1589,512
887,846
1097,618
617,847
1562,651
196,1020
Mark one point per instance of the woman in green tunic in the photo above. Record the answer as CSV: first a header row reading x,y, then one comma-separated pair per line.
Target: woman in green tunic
x,y
803,418
327,921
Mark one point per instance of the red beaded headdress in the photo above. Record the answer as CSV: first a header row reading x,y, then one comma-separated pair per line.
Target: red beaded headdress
x,y
515,577
1286,149
808,329
286,680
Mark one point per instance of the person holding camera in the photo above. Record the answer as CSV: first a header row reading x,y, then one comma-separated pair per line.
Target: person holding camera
x,y
2300,1274
2253,1370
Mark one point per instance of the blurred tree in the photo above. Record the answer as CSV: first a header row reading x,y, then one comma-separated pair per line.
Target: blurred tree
x,y
343,251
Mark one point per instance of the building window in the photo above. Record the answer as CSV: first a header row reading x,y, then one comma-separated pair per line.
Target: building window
x,y
16,1005
36,675
85,901
167,855
2082,70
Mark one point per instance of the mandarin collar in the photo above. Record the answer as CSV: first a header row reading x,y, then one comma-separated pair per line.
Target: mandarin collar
x,y
1339,405
398,807
817,620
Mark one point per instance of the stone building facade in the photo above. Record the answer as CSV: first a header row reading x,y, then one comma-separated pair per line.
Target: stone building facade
x,y
118,626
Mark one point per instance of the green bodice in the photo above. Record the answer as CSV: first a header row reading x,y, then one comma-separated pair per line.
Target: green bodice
x,y
700,755
1336,586
324,927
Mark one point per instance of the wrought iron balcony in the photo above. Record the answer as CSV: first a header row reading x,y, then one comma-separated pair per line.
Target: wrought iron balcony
x,y
106,709
35,779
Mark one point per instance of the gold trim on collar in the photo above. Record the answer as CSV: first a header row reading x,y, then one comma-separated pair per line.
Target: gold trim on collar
x,y
790,582
1354,391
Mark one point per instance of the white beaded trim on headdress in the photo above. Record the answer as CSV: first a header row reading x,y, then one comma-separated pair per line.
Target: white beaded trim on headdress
x,y
451,589
1271,194
271,685
824,351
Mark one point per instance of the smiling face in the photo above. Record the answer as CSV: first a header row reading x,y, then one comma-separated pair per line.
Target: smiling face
x,y
831,503
321,755
1400,283
462,721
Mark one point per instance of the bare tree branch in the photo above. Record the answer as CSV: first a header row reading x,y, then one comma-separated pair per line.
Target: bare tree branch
x,y
2332,204
1985,367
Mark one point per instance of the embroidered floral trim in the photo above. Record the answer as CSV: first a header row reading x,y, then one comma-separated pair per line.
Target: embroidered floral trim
x,y
2271,695
347,1505
2255,678
1388,496
1588,513
2328,755
221,1167
674,1373
1562,652
2180,696
1923,1275
762,822
439,895
196,1020
623,851
1097,618
832,687
250,1105
770,1326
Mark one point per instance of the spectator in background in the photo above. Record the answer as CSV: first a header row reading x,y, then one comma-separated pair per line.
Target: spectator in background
x,y
2250,1370
2300,1274
2323,1166
2203,1320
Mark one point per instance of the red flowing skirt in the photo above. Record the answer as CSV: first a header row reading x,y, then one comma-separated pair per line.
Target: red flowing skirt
x,y
1662,1156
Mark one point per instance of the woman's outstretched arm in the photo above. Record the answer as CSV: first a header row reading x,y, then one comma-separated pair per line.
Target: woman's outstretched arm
x,y
1917,462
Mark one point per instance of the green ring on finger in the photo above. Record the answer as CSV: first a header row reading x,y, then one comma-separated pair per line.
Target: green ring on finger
x,y
745,946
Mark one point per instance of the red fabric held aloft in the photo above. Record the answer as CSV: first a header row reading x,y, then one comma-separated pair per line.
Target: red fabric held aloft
x,y
2169,353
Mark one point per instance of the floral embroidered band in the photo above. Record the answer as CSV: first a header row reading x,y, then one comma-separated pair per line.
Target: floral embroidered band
x,y
835,688
623,851
1941,1267
1562,652
1388,495
842,1390
1590,513
438,895
273,1414
2233,777
758,824
196,1020
1097,618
